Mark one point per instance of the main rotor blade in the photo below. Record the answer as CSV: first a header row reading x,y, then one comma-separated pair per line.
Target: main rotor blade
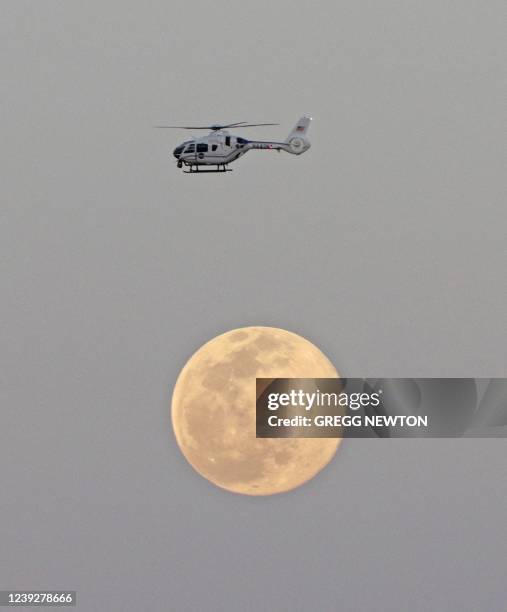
x,y
232,124
182,127
255,124
215,127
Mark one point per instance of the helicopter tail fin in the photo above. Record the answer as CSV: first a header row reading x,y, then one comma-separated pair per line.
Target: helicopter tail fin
x,y
298,138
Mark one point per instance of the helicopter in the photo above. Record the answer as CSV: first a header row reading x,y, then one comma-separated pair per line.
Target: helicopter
x,y
219,148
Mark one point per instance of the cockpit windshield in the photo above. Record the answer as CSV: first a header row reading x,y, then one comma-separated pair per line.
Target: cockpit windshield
x,y
179,149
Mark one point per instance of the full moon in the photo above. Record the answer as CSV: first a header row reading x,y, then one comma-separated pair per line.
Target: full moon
x,y
213,411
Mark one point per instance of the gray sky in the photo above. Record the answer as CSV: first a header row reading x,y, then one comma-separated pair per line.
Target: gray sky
x,y
384,245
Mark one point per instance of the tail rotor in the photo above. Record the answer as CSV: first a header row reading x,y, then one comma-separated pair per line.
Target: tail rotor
x,y
298,140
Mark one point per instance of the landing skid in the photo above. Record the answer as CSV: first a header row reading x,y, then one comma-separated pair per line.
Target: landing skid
x,y
198,171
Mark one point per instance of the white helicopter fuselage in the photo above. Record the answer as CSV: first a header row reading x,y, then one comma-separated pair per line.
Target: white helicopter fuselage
x,y
220,148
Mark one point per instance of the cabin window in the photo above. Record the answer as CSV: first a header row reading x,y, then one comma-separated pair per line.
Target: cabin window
x,y
213,147
227,141
202,148
241,141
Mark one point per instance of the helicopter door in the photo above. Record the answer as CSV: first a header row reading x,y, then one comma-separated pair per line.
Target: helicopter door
x,y
191,150
201,149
